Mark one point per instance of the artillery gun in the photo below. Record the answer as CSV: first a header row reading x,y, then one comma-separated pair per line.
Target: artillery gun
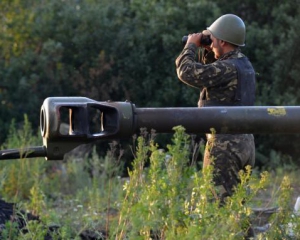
x,y
90,121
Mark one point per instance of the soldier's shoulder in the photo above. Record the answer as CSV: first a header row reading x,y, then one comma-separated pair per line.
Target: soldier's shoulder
x,y
240,55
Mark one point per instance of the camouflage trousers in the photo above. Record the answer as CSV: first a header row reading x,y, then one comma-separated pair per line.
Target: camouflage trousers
x,y
229,154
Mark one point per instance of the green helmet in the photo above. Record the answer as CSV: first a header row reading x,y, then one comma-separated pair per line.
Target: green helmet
x,y
229,28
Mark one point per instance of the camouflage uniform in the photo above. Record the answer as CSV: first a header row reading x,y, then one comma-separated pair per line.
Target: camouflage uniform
x,y
218,82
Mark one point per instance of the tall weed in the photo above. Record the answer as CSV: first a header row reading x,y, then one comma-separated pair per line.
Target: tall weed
x,y
173,200
21,175
165,196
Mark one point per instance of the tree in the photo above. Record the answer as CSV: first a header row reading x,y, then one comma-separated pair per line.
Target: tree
x,y
113,50
125,50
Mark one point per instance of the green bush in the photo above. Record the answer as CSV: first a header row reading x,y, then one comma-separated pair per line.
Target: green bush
x,y
125,50
165,196
173,200
20,176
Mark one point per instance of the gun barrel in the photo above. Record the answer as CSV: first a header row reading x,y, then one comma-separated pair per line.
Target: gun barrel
x,y
67,122
29,152
88,120
231,120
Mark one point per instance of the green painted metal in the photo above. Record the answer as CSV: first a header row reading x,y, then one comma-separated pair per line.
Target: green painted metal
x,y
67,122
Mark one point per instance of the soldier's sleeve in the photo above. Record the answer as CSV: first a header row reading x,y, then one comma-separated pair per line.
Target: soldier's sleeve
x,y
197,74
208,57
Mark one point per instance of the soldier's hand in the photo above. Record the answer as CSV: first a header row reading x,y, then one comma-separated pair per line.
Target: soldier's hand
x,y
204,34
194,38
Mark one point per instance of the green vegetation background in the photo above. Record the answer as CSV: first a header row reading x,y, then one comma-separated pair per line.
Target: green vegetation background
x,y
125,50
86,197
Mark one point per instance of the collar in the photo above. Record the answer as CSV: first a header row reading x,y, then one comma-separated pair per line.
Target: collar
x,y
232,54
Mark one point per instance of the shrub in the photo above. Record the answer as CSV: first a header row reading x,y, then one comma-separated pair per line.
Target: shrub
x,y
165,197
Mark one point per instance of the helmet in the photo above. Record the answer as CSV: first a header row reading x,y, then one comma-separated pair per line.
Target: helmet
x,y
229,28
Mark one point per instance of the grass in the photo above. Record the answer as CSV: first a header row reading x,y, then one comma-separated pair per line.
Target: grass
x,y
168,199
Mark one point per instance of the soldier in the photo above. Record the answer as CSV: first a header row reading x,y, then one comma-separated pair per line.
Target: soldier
x,y
226,78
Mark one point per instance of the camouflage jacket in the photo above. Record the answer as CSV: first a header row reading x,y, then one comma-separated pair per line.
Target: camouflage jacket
x,y
217,80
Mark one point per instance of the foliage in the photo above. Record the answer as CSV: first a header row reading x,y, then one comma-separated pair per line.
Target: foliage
x,y
101,51
168,199
121,50
20,176
172,200
10,231
113,50
125,50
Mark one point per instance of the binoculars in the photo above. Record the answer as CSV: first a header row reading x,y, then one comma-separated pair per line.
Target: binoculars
x,y
205,40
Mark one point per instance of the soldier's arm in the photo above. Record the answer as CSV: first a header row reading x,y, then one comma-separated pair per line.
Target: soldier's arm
x,y
207,57
194,73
